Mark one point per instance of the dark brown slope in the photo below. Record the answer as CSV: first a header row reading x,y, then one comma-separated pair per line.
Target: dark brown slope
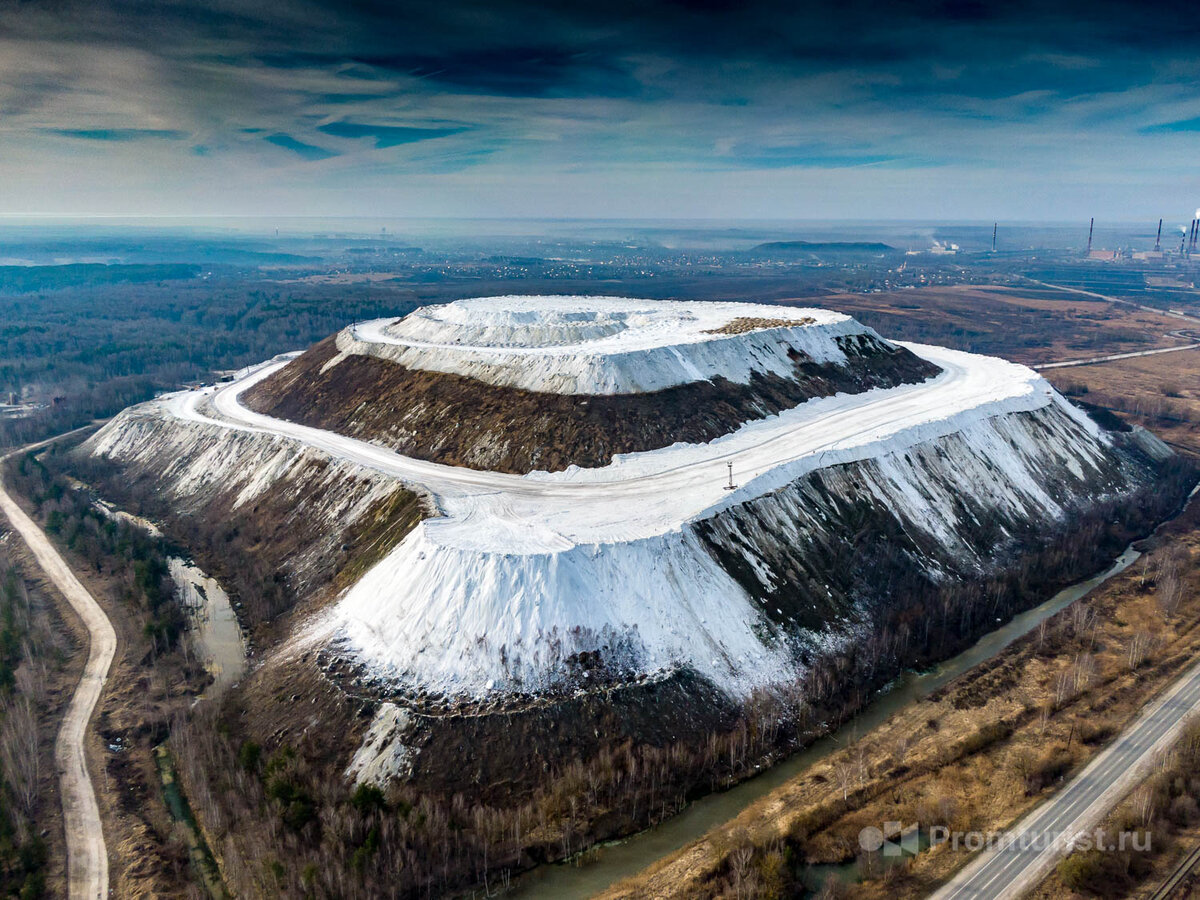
x,y
465,422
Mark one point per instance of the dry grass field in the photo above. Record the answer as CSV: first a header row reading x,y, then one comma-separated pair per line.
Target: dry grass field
x,y
1160,392
1032,325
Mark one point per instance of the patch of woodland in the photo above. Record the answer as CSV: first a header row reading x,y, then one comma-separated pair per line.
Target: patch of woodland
x,y
154,678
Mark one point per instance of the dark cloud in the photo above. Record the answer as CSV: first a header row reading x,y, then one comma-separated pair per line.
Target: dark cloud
x,y
516,72
519,88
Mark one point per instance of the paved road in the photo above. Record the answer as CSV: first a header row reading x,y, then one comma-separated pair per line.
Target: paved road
x,y
87,854
1113,357
1036,843
1174,314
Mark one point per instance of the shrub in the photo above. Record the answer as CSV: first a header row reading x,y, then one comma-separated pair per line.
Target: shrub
x,y
367,798
249,755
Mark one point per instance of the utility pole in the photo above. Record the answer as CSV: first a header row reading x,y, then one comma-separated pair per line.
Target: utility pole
x,y
1158,240
995,225
731,485
1091,228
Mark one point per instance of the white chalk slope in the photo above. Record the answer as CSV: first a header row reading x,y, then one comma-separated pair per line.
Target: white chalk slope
x,y
519,572
598,345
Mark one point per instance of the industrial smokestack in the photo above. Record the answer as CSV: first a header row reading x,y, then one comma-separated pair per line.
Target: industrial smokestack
x,y
995,225
1091,228
1158,240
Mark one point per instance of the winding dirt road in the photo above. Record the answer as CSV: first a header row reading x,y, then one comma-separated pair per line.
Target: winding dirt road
x,y
87,854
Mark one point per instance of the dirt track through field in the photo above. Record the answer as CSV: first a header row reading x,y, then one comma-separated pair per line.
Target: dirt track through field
x,y
87,854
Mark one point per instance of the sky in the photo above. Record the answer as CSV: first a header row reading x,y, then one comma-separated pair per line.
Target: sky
x,y
963,109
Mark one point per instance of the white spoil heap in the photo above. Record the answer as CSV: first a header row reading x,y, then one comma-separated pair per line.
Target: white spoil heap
x,y
519,572
601,345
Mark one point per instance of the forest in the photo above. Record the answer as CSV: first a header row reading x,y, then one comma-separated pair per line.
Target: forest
x,y
82,351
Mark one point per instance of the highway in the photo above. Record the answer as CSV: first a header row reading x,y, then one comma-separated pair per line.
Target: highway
x,y
1034,845
1114,357
87,853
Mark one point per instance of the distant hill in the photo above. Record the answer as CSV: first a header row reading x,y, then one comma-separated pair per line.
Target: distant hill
x,y
825,246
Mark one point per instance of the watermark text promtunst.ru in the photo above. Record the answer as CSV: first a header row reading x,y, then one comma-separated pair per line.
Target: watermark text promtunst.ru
x,y
895,840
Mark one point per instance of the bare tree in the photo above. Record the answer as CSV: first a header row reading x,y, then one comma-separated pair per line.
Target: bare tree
x,y
1024,764
1082,617
1064,686
1139,648
1169,594
1083,671
739,868
1143,804
845,771
862,764
19,752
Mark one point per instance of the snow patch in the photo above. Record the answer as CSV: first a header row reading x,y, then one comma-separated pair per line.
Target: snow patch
x,y
601,345
383,756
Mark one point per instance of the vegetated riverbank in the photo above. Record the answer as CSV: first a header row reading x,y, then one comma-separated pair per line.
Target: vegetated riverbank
x,y
213,628
974,756
599,868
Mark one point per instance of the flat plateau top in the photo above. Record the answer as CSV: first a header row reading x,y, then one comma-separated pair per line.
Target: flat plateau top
x,y
596,325
602,345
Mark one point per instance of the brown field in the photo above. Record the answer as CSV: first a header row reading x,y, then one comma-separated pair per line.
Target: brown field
x,y
1032,325
1160,392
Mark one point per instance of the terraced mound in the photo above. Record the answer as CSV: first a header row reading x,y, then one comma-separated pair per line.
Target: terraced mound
x,y
546,383
450,627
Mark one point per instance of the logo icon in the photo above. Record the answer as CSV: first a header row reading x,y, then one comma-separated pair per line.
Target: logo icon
x,y
892,840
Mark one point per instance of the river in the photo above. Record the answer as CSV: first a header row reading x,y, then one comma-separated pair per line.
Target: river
x,y
610,863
